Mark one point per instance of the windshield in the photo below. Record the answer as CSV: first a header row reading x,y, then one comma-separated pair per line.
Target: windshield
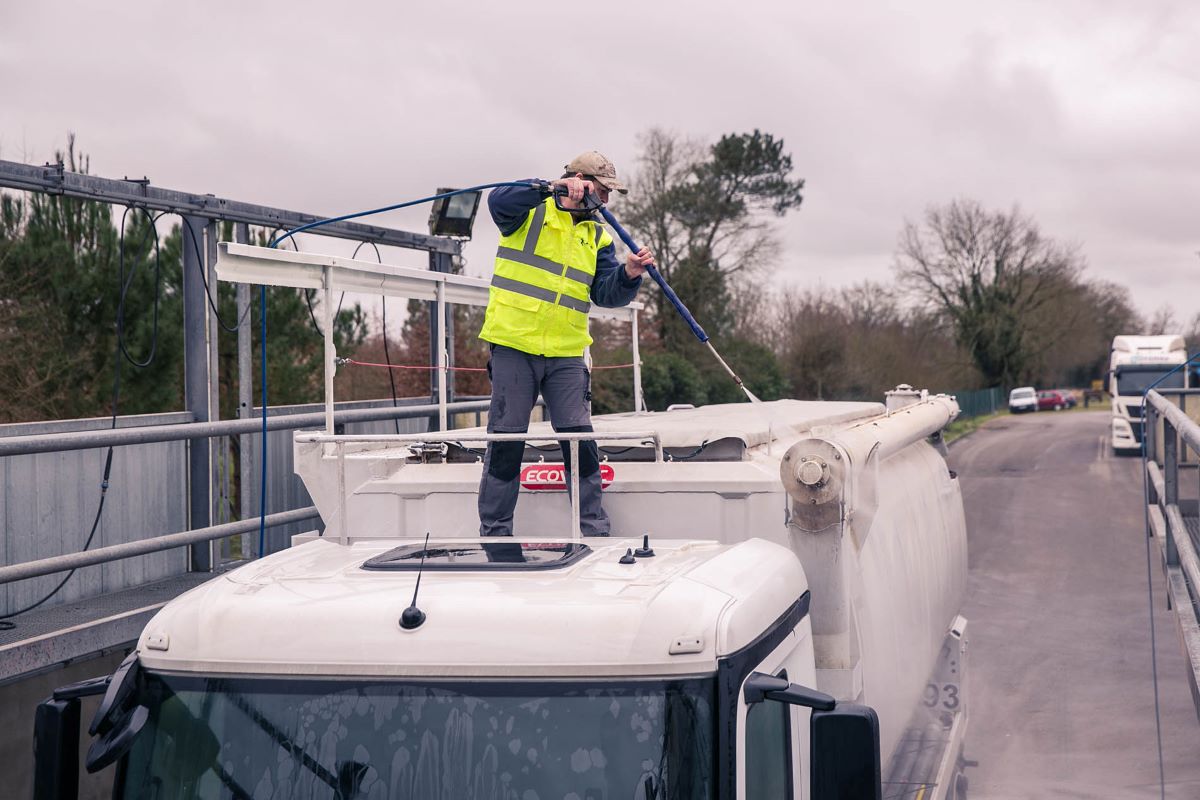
x,y
1137,381
1021,394
275,738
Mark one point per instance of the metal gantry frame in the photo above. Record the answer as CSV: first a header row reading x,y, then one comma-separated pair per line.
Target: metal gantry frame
x,y
200,215
1169,436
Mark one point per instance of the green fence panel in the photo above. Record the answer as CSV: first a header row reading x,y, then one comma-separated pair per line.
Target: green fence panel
x,y
978,402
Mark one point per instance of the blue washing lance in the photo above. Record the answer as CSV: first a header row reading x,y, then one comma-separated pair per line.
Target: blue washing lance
x,y
592,203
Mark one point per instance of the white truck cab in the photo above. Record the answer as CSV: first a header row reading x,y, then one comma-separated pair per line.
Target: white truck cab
x,y
540,668
1135,364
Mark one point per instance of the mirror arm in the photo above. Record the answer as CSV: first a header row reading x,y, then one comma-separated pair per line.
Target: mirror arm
x,y
759,687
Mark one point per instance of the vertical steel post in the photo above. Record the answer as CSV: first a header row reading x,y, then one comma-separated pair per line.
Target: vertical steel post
x,y
1184,450
638,403
448,340
1149,430
241,234
343,528
1171,488
1149,441
330,352
195,385
441,356
573,448
438,262
218,488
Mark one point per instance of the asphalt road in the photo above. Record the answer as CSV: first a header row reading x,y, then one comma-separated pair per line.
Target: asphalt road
x,y
1061,692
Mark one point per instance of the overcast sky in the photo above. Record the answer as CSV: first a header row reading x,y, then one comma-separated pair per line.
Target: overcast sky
x,y
1083,113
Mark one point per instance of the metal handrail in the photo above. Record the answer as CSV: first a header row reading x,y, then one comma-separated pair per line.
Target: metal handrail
x,y
572,439
451,437
148,434
1181,561
1184,425
116,552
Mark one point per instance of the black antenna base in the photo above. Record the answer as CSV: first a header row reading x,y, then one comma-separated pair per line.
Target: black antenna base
x,y
412,618
645,551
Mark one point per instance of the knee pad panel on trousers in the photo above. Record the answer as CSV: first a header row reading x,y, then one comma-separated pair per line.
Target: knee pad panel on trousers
x,y
589,456
505,460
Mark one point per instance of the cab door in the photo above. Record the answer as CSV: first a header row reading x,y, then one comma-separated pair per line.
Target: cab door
x,y
773,738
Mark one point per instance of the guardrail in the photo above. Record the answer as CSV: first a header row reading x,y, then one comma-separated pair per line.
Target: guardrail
x,y
1168,434
339,444
56,442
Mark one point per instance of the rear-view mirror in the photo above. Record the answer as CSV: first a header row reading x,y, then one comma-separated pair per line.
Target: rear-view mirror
x,y
845,756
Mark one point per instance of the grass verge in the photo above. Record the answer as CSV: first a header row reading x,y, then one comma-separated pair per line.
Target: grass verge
x,y
962,427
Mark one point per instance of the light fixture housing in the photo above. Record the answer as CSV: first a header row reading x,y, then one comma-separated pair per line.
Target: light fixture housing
x,y
454,216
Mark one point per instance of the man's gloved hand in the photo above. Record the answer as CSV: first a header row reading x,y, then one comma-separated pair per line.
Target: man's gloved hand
x,y
576,188
636,263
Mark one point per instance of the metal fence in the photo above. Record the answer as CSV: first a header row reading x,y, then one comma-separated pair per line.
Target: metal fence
x,y
52,473
1173,510
979,402
48,502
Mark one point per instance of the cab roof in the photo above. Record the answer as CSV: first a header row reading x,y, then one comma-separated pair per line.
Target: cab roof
x,y
314,610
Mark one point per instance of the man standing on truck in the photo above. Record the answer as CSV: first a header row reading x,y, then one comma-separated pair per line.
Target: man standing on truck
x,y
550,267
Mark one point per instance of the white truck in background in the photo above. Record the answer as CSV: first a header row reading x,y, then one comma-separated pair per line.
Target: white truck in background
x,y
1135,363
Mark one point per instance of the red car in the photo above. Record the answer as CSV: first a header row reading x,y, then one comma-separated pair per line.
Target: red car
x,y
1052,399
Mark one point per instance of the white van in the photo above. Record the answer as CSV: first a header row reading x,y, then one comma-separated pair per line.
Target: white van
x,y
1022,399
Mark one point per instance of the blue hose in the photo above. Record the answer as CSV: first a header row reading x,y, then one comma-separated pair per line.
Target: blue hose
x,y
657,276
318,223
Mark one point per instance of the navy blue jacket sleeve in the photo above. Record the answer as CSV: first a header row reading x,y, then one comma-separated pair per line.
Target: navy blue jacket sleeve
x,y
510,205
612,287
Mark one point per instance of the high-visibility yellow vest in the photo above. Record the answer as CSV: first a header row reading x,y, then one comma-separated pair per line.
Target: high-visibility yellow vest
x,y
539,298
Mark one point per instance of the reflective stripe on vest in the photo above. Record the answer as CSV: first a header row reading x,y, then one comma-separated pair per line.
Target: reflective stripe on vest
x,y
541,285
527,257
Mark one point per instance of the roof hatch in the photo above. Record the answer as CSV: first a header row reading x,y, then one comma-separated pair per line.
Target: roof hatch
x,y
498,555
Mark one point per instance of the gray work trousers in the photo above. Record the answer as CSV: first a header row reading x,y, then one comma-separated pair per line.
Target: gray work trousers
x,y
565,384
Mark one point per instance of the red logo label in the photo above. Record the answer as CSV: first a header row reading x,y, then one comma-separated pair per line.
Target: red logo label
x,y
553,477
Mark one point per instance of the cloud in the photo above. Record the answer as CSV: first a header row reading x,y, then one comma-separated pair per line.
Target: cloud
x,y
1081,113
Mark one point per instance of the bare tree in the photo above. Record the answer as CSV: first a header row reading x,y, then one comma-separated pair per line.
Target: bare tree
x,y
994,276
1162,321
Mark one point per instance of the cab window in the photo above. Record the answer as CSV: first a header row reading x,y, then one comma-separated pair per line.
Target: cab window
x,y
768,750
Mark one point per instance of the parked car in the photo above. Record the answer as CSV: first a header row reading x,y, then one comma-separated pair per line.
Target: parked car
x,y
1051,400
1022,399
1069,397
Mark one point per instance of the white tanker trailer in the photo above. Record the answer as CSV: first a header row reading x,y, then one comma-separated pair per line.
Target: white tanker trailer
x,y
789,629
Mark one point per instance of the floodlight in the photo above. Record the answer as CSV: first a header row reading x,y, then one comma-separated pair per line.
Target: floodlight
x,y
454,216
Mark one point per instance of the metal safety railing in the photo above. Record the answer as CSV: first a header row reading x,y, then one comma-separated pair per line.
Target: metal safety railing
x,y
58,442
340,443
1172,509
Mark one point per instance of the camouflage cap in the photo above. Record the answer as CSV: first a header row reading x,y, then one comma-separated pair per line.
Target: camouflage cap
x,y
597,166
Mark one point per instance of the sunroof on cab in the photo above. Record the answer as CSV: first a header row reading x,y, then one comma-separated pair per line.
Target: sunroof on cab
x,y
497,555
